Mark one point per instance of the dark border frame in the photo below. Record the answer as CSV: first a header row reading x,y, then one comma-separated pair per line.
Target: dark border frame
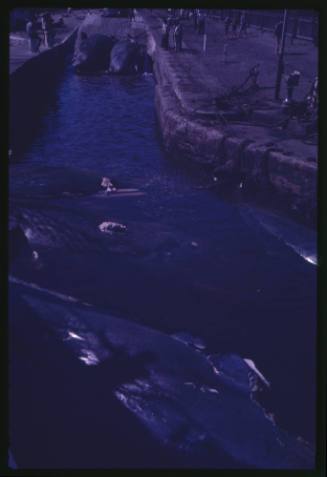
x,y
322,232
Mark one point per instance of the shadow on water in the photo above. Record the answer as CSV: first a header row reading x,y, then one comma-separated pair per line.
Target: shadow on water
x,y
33,93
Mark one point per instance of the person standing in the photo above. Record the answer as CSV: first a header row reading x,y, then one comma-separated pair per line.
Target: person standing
x,y
253,76
33,37
227,23
165,33
235,25
243,25
51,30
169,29
195,18
201,29
178,37
292,81
278,35
44,25
312,96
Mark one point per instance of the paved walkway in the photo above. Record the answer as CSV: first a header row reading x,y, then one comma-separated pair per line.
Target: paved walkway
x,y
204,75
244,53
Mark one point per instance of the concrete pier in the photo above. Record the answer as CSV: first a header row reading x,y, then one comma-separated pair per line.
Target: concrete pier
x,y
253,149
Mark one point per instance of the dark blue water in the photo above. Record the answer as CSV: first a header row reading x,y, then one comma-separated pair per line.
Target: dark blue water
x,y
226,272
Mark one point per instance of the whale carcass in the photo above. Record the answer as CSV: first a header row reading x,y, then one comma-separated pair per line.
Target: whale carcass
x,y
127,57
92,53
197,404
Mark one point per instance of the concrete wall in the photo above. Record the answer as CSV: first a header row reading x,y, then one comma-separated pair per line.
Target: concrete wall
x,y
32,87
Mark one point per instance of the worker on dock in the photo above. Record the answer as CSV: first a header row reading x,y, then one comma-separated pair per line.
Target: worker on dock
x,y
33,37
178,37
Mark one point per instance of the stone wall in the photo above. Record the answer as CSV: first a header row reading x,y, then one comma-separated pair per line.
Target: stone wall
x,y
246,158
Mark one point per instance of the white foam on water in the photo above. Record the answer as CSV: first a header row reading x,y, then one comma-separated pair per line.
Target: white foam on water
x,y
72,335
89,358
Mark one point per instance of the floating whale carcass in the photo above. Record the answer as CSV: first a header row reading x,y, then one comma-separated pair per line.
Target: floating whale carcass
x,y
92,53
129,57
194,403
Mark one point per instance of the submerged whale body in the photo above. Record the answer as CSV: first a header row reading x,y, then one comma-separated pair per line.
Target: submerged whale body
x,y
92,53
196,405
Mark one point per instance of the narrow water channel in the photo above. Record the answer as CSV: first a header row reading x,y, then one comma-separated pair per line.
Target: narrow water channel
x,y
241,279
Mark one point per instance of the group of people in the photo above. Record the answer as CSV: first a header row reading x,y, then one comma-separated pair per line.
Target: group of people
x,y
47,28
237,25
172,28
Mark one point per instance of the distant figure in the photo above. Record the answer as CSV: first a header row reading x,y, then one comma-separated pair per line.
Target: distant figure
x,y
195,18
243,25
48,30
132,14
178,37
33,37
235,24
165,35
253,76
69,11
227,23
312,96
84,37
175,30
291,82
278,35
251,79
201,25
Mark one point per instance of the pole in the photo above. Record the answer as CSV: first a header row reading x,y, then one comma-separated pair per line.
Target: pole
x,y
204,43
280,64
